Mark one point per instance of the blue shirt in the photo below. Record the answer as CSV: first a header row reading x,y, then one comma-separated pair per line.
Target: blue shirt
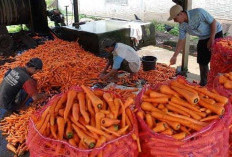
x,y
117,62
199,22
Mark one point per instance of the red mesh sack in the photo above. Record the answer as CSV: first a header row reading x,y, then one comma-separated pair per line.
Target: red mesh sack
x,y
41,146
212,140
221,58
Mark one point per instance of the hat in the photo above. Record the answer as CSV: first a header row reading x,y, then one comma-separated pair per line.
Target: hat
x,y
174,11
107,43
36,62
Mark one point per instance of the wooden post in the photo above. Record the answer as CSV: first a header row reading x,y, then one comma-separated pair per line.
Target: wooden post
x,y
184,67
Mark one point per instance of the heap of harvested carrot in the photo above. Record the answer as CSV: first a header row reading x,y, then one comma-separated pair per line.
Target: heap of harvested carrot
x,y
86,119
180,109
15,127
123,93
226,80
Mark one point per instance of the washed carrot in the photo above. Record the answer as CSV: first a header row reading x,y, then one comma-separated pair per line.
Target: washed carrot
x,y
123,130
161,106
98,117
165,116
174,125
184,129
184,103
44,126
98,93
210,118
109,99
149,120
110,132
160,100
208,100
96,101
81,98
228,84
100,141
216,109
149,107
182,86
130,118
165,89
60,125
90,107
117,106
188,111
161,126
114,127
177,110
69,131
191,97
43,117
155,94
54,130
140,114
70,99
129,101
97,131
106,122
180,136
75,111
76,138
90,142
61,112
168,131
52,110
72,142
60,103
222,79
82,121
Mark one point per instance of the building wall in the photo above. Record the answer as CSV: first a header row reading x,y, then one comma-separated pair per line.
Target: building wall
x,y
150,9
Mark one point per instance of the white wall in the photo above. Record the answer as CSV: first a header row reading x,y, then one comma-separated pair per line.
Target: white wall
x,y
151,9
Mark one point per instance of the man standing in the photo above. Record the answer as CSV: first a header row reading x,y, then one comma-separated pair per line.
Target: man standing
x,y
122,57
196,22
18,86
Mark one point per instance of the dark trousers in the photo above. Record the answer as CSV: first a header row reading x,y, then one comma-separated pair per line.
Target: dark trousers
x,y
203,58
124,65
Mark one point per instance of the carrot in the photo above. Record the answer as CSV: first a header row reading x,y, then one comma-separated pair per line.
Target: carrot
x,y
192,98
161,126
208,100
81,98
69,132
54,130
76,138
70,99
210,118
109,99
140,114
217,97
98,117
160,100
75,111
117,106
149,120
155,94
106,122
43,117
192,113
11,148
161,106
165,116
168,131
72,142
60,125
208,111
184,129
174,125
184,103
123,130
89,141
134,136
165,89
182,86
222,79
129,101
100,141
177,110
96,101
97,131
113,127
61,112
180,136
98,93
52,110
228,85
82,121
89,106
130,117
110,132
62,100
149,107
44,126
105,112
216,109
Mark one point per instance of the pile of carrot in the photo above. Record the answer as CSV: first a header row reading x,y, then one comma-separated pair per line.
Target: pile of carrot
x,y
124,93
86,119
226,80
180,109
15,127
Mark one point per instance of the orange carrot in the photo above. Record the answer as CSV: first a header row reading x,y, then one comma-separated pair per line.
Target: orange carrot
x,y
69,132
123,130
75,111
155,94
161,126
43,117
216,109
149,120
72,142
129,101
70,99
168,131
160,100
81,98
110,132
61,125
98,117
62,100
52,110
210,118
180,136
61,112
140,114
109,99
165,89
97,131
101,141
149,107
117,106
106,122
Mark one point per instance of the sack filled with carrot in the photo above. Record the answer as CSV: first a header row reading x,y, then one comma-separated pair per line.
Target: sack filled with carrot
x,y
82,122
183,117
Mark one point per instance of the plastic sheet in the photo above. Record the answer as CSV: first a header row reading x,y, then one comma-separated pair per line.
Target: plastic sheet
x,y
212,140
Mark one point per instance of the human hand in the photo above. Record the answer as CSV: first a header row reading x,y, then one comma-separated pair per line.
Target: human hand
x,y
173,60
210,43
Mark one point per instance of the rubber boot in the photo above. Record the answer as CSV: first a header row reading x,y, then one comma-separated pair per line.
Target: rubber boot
x,y
204,69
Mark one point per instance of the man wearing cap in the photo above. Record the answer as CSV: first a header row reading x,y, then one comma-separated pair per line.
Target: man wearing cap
x,y
18,86
196,22
122,57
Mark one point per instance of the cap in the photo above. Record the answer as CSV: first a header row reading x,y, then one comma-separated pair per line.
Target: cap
x,y
107,43
174,11
36,62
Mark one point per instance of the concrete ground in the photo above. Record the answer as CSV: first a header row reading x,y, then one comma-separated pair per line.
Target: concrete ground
x,y
164,55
